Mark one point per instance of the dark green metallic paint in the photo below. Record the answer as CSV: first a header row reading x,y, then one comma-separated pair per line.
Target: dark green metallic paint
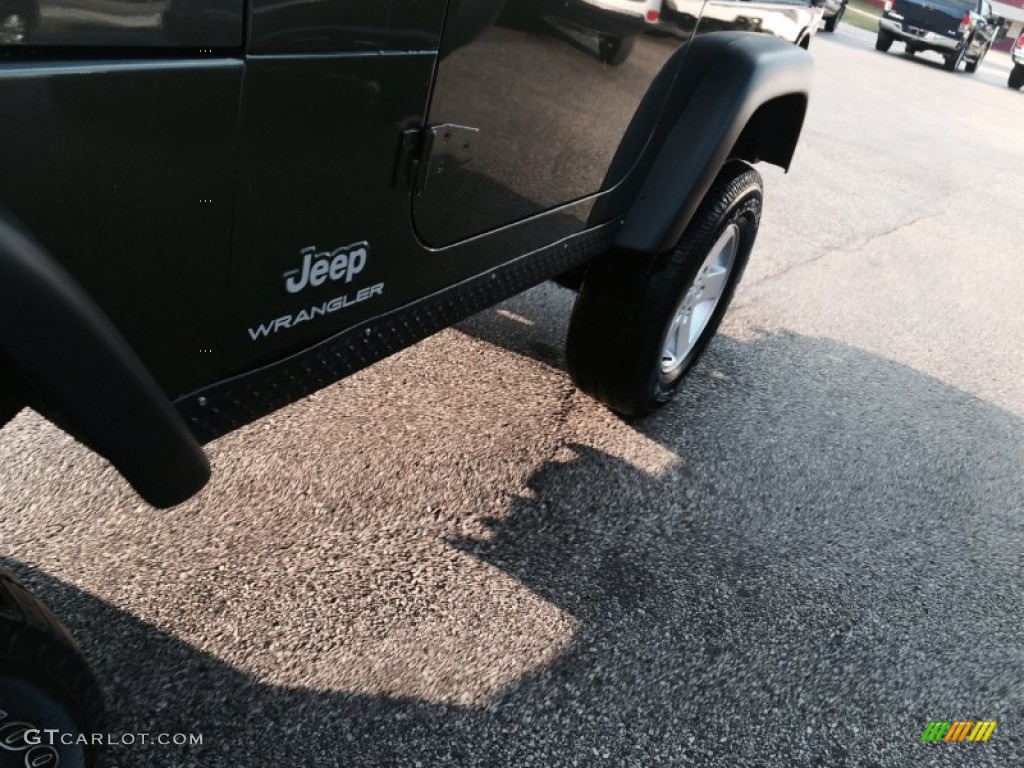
x,y
345,26
182,193
127,171
51,26
109,165
318,153
550,115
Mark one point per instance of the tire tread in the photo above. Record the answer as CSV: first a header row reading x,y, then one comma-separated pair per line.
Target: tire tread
x,y
623,295
36,645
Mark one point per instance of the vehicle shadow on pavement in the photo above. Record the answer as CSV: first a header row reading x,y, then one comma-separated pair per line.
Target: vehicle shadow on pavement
x,y
831,560
533,324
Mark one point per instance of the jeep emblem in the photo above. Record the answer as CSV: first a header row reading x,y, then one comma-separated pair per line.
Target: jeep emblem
x,y
317,268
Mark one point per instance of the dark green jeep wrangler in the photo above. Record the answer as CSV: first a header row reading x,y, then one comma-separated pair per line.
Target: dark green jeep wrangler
x,y
211,209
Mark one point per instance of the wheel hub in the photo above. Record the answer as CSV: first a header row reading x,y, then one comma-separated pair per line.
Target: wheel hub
x,y
699,301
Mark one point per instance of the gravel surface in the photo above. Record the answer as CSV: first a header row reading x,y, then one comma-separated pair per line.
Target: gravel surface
x,y
454,558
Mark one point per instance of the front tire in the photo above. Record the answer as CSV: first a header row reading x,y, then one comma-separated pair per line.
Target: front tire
x,y
45,683
884,41
1016,79
640,322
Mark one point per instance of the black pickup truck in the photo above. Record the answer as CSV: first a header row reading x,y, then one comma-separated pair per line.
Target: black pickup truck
x,y
961,31
209,210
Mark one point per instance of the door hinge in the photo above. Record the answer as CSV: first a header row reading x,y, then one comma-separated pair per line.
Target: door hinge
x,y
432,151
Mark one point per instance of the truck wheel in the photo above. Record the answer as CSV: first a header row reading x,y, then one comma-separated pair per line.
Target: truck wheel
x,y
831,24
972,66
45,682
641,322
884,41
952,62
1016,76
614,50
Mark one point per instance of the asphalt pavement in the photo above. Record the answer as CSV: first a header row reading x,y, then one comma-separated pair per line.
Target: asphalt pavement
x,y
455,558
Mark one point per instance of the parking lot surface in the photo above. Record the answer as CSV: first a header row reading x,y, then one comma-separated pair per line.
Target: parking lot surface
x,y
454,558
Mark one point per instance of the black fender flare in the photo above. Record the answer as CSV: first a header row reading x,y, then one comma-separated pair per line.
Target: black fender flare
x,y
60,354
736,95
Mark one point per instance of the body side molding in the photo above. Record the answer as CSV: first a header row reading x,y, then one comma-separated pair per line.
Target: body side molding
x,y
232,403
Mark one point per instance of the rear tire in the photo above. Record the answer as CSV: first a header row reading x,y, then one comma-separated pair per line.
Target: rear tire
x,y
45,683
1016,79
614,50
884,41
972,66
640,322
952,62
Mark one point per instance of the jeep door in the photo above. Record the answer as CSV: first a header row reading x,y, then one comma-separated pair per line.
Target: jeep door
x,y
329,87
531,100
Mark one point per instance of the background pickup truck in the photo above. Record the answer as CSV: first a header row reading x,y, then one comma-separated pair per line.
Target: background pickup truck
x,y
960,30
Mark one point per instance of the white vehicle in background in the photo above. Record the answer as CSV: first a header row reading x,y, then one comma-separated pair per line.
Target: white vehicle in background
x,y
617,23
1017,73
795,22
